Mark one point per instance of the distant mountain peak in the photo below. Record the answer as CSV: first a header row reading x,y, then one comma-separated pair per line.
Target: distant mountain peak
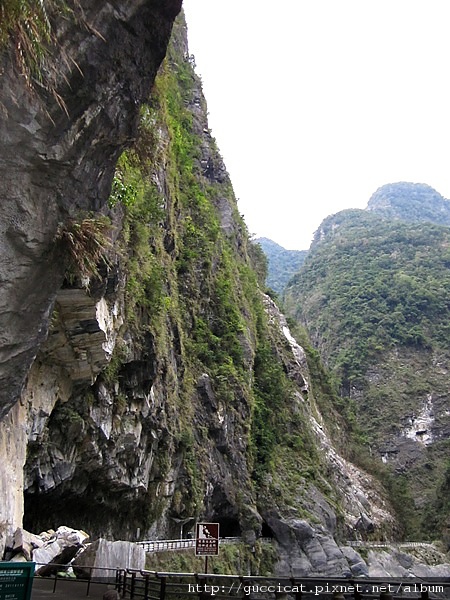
x,y
264,241
412,202
283,264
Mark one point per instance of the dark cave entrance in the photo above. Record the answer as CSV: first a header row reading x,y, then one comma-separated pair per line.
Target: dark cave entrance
x,y
97,511
266,531
229,527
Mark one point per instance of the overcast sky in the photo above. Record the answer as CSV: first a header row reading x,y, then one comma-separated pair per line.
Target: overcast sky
x,y
316,103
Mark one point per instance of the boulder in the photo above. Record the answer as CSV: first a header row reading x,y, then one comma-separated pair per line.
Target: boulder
x,y
101,559
306,551
65,557
23,544
58,547
356,563
359,569
364,524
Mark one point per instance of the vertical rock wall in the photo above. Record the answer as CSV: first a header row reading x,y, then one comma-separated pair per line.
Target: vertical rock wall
x,y
55,163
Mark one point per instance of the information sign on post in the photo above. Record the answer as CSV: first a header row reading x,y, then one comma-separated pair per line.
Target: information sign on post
x,y
207,539
16,580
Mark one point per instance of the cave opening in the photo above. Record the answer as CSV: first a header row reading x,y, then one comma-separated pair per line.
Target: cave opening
x,y
266,531
229,527
94,511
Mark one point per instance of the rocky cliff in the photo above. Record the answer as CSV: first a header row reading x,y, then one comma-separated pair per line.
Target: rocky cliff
x,y
57,160
148,383
57,157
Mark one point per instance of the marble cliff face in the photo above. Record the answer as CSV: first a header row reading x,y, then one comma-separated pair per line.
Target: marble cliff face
x,y
56,162
165,387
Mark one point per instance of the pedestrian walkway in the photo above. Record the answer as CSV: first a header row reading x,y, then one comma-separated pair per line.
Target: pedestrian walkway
x,y
67,590
387,544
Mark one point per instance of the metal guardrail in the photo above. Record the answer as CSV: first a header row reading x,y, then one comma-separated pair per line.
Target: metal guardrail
x,y
162,545
148,585
368,544
136,584
85,575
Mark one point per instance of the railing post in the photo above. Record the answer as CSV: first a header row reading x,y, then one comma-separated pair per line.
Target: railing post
x,y
162,589
146,586
298,593
133,584
201,587
88,587
118,585
124,589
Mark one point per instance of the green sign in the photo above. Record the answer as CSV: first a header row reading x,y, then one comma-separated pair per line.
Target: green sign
x,y
16,580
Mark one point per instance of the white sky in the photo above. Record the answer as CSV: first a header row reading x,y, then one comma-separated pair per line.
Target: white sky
x,y
316,103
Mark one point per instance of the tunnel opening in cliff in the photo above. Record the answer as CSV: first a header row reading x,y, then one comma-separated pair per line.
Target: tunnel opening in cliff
x,y
229,527
266,531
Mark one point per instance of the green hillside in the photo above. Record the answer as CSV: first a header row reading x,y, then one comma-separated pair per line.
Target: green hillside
x,y
373,295
414,202
370,285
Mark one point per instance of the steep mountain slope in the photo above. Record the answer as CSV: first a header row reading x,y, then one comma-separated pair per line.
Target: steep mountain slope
x,y
373,295
282,263
169,388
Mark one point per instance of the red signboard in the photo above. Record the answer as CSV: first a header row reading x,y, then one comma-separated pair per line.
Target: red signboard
x,y
207,539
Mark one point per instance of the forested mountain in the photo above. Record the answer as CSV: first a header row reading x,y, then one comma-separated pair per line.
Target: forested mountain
x,y
413,202
373,295
282,263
